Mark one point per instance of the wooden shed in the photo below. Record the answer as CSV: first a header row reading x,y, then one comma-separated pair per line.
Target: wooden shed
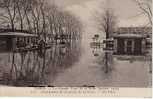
x,y
12,40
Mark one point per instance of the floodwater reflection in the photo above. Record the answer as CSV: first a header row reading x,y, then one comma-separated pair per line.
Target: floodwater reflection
x,y
122,70
34,67
65,66
104,60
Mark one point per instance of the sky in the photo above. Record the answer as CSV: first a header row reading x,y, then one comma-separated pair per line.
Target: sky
x,y
127,13
124,9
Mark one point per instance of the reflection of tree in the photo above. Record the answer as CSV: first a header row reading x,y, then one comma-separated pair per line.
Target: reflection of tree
x,y
29,69
106,60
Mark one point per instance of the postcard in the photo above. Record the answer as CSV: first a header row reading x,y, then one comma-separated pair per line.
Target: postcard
x,y
76,48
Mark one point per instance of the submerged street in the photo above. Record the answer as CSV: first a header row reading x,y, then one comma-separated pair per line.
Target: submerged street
x,y
72,67
49,44
89,71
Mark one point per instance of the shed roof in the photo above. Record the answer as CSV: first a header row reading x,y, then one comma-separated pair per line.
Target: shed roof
x,y
21,34
3,30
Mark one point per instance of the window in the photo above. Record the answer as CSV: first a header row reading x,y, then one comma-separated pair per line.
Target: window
x,y
3,44
129,46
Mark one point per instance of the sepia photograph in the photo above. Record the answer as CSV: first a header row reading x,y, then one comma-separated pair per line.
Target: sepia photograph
x,y
76,43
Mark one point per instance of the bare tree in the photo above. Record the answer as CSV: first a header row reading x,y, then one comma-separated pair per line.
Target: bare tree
x,y
9,11
51,17
27,12
20,11
62,24
39,17
107,22
146,7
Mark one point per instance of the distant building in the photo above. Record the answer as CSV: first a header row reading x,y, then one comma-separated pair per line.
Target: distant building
x,y
132,40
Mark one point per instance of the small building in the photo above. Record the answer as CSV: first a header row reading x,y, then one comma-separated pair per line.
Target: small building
x,y
131,40
109,44
12,40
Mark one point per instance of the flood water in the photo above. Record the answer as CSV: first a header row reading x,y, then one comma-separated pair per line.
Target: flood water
x,y
74,66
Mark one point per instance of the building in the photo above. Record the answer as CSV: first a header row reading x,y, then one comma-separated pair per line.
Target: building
x,y
12,40
109,44
131,40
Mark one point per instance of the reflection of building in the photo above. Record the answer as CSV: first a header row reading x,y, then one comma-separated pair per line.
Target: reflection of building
x,y
131,40
12,40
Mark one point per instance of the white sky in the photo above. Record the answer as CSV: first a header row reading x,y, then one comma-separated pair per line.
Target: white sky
x,y
85,9
124,9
